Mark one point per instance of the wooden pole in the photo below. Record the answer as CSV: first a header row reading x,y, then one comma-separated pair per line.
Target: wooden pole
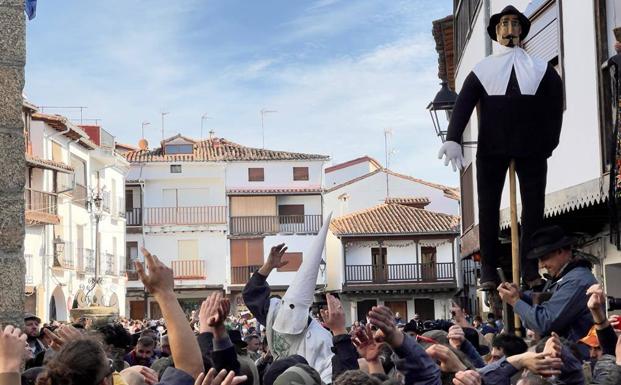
x,y
515,239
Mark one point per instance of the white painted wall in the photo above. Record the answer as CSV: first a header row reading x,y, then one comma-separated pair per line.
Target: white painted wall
x,y
277,174
371,191
342,175
212,247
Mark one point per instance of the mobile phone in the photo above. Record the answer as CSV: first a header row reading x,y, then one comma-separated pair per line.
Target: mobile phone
x,y
501,274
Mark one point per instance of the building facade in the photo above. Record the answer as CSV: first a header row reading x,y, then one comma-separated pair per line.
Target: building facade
x,y
392,241
75,231
576,38
212,209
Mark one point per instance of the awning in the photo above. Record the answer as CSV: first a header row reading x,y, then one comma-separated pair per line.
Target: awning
x,y
566,200
48,164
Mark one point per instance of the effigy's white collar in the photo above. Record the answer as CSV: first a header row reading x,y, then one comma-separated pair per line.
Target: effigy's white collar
x,y
494,71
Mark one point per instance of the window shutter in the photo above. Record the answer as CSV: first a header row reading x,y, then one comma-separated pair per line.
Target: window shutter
x,y
294,259
255,174
543,39
300,173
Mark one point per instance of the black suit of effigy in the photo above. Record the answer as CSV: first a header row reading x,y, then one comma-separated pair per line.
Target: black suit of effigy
x,y
511,126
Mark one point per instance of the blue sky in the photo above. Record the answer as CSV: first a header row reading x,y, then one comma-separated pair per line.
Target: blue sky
x,y
339,72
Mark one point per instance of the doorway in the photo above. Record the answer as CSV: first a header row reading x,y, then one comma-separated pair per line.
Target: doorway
x,y
425,308
364,307
428,265
400,307
378,262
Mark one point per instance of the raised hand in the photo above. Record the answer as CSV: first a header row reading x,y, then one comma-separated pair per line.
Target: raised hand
x,y
596,303
538,363
449,362
158,278
213,313
274,260
468,377
553,346
365,343
62,335
382,317
222,378
509,293
334,316
456,336
12,346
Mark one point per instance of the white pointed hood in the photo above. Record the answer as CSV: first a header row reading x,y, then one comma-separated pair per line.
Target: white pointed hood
x,y
292,317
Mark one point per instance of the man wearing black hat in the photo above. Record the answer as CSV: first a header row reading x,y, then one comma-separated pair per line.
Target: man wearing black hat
x,y
565,312
520,106
31,329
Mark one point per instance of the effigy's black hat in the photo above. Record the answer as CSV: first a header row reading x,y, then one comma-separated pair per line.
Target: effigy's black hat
x,y
508,10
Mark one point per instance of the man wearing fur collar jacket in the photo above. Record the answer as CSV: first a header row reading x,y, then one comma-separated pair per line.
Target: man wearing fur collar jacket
x,y
520,107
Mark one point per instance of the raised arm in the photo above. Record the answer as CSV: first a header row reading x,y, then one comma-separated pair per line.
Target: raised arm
x,y
158,279
257,291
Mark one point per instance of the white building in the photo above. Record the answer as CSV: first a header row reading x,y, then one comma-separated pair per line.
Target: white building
x,y
397,251
576,37
213,209
68,169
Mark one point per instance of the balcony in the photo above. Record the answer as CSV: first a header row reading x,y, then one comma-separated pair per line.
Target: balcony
x,y
297,224
241,274
80,195
160,216
400,273
110,264
189,269
89,261
41,207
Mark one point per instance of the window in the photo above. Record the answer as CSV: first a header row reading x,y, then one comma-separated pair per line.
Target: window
x,y
175,169
544,39
294,259
129,201
57,152
187,250
255,174
79,190
291,214
246,252
172,149
300,173
465,12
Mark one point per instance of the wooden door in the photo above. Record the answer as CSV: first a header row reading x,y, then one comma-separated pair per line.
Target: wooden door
x,y
380,268
136,310
428,261
400,307
364,307
425,308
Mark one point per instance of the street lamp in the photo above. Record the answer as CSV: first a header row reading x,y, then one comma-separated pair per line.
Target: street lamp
x,y
322,266
444,101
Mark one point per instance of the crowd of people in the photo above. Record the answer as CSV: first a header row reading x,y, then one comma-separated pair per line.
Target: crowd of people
x,y
579,345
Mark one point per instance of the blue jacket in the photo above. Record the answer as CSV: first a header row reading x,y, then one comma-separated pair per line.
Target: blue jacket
x,y
566,312
415,364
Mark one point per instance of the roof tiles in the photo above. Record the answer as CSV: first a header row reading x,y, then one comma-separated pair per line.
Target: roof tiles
x,y
218,149
395,219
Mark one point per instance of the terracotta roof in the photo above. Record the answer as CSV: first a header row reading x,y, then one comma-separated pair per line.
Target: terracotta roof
x,y
395,219
352,162
449,192
48,164
419,202
218,149
260,191
61,124
443,34
126,146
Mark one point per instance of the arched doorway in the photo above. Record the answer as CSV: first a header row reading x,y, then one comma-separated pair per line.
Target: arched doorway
x,y
58,305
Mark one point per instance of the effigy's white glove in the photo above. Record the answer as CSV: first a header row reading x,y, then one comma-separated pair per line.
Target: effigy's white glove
x,y
452,153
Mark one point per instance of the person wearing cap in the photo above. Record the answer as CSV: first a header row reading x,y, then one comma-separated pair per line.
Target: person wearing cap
x,y
565,312
288,325
520,111
31,329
